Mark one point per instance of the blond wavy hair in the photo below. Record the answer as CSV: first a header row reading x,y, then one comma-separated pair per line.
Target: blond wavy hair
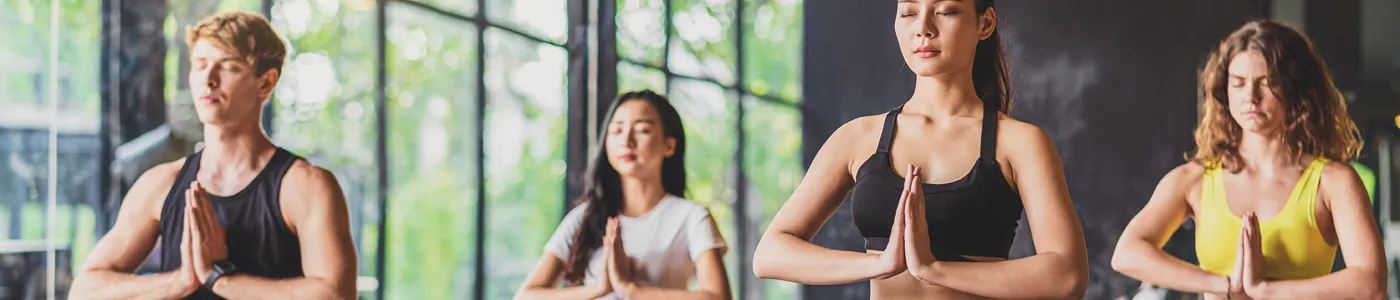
x,y
1316,124
243,34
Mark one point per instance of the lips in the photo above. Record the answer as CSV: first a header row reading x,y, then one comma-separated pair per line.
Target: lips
x,y
926,51
627,157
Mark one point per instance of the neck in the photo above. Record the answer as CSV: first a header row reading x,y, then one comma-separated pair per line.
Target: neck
x,y
640,195
235,148
1265,154
945,95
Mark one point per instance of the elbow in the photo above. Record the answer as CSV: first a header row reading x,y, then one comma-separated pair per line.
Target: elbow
x,y
1078,280
762,269
333,291
1375,294
1122,262
762,264
1377,288
1073,289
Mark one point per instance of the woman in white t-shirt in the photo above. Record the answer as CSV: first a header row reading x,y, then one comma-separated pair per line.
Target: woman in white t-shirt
x,y
631,236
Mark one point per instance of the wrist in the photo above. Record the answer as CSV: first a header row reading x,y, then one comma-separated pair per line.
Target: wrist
x,y
1220,285
1258,290
627,289
181,283
928,273
875,267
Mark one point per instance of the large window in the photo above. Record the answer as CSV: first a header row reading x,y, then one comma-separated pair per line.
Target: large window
x,y
472,175
731,69
48,139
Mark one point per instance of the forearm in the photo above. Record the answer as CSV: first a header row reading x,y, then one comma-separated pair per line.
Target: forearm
x,y
119,285
569,293
788,258
648,293
240,286
1144,262
1045,275
1349,283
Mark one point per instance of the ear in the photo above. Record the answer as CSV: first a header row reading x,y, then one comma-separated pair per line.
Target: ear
x,y
670,146
269,83
987,24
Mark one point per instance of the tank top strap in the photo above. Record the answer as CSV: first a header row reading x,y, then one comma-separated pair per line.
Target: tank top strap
x,y
887,132
989,130
1305,192
1213,187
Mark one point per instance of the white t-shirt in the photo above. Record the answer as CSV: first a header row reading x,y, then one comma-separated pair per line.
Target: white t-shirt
x,y
665,243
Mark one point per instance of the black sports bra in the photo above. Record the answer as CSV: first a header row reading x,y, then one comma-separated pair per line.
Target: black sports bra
x,y
974,216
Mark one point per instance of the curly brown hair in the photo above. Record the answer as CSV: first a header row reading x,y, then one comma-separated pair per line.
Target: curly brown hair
x,y
1316,124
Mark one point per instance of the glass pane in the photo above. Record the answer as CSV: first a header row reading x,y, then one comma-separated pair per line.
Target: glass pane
x,y
702,44
26,119
463,7
547,19
525,133
632,77
708,111
324,105
773,47
432,146
185,13
640,30
773,167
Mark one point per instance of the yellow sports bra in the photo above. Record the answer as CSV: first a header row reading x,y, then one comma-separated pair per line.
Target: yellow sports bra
x,y
1293,246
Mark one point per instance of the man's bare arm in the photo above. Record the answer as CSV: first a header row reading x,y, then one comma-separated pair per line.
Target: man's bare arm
x,y
107,274
315,209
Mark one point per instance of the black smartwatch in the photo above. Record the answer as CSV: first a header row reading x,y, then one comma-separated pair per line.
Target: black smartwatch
x,y
221,268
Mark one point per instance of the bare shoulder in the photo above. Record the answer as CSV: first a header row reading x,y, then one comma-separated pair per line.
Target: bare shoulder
x,y
1016,134
858,130
1186,175
310,192
1022,143
149,191
856,139
307,182
1338,173
1339,179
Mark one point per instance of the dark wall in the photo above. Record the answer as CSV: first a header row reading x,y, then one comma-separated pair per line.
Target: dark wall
x,y
1113,82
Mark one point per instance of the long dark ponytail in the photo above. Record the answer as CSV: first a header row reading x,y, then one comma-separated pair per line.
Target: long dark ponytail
x,y
991,75
603,186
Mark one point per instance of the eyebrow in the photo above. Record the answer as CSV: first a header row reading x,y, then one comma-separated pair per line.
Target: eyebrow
x,y
648,121
218,60
1233,75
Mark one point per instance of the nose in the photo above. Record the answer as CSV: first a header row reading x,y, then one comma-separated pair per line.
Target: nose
x,y
211,78
926,28
629,139
1251,93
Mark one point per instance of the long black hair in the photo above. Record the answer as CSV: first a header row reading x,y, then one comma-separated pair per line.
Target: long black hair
x,y
603,186
991,76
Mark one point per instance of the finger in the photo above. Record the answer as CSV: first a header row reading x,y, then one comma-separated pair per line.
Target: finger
x,y
186,245
918,185
189,198
202,196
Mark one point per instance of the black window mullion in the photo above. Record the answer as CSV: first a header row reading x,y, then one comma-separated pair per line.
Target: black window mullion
x,y
741,200
479,280
381,144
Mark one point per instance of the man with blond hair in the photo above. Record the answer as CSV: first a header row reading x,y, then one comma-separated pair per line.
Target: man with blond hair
x,y
241,218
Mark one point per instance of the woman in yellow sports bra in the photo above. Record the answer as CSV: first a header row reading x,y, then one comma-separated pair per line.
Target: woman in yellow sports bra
x,y
1268,185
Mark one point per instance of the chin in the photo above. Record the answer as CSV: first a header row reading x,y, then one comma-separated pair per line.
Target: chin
x,y
927,69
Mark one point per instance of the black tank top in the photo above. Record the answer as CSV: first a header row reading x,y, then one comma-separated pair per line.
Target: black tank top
x,y
974,216
259,242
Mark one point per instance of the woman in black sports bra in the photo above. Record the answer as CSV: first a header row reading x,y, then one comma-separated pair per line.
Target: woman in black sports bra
x,y
970,171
